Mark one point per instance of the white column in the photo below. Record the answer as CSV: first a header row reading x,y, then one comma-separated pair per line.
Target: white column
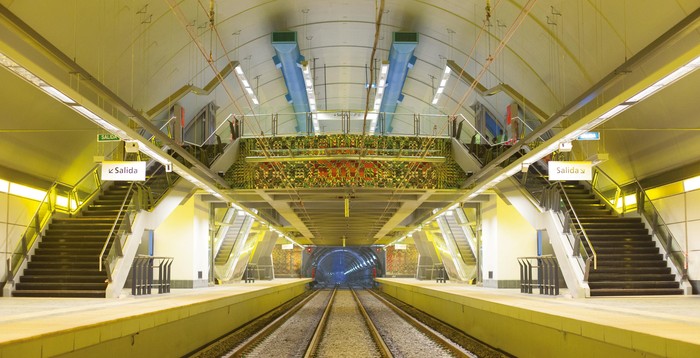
x,y
506,235
184,235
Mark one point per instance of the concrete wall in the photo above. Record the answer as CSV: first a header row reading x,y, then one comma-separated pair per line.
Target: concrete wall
x,y
15,213
160,328
185,236
681,212
523,332
506,235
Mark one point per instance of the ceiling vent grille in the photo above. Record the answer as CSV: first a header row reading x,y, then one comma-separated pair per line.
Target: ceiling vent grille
x,y
406,37
284,36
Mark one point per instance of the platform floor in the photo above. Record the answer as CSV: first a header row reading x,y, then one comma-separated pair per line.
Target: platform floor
x,y
673,318
22,319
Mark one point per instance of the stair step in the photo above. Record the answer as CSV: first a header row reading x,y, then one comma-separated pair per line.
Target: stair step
x,y
60,293
63,279
60,286
93,252
636,292
616,231
81,219
65,258
632,284
632,270
48,272
611,220
625,250
622,244
629,257
601,276
71,245
595,237
89,265
611,225
614,262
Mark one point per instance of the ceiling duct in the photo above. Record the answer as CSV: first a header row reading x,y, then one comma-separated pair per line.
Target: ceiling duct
x,y
288,59
401,59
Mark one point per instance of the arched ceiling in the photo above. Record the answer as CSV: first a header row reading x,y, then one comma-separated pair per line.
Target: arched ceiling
x,y
144,50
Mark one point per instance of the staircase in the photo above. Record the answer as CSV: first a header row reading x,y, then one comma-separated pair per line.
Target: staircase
x,y
65,264
629,263
461,240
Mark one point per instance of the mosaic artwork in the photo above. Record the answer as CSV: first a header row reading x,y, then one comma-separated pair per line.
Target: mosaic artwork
x,y
321,169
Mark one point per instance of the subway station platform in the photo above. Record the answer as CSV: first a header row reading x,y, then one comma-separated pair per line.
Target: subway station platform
x,y
166,325
533,325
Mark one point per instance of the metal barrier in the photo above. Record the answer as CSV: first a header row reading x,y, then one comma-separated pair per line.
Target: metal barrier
x,y
547,280
440,274
250,273
142,274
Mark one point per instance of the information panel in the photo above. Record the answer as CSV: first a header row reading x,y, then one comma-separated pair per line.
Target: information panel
x,y
124,171
570,170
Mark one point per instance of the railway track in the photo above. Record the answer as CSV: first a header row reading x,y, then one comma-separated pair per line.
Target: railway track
x,y
345,323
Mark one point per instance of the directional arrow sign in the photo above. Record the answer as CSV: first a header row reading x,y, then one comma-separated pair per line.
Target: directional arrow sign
x,y
124,171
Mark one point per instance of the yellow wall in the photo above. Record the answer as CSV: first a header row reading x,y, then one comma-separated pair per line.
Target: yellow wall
x,y
170,332
528,333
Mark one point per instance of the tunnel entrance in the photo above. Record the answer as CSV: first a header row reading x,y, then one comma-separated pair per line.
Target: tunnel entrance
x,y
353,266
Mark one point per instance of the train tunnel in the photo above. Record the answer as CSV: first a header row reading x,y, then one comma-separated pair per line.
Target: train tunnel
x,y
354,266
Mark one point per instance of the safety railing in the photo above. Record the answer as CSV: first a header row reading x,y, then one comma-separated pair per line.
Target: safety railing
x,y
610,191
121,229
623,202
547,279
552,196
674,250
431,272
84,190
142,276
158,183
35,227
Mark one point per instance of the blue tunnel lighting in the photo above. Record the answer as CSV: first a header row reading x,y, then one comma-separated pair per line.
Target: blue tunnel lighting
x,y
401,59
289,60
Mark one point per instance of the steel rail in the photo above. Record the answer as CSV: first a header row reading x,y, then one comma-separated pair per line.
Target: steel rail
x,y
249,344
381,345
443,342
316,338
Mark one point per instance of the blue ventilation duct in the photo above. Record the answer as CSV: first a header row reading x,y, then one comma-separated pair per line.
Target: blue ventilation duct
x,y
401,59
288,59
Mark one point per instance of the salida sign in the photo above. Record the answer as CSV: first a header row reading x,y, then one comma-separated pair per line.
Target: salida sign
x,y
124,171
570,170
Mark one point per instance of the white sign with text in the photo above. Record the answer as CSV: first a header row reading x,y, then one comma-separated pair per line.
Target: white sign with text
x,y
124,171
570,170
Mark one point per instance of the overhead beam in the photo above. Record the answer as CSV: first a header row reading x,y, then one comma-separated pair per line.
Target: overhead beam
x,y
287,213
406,209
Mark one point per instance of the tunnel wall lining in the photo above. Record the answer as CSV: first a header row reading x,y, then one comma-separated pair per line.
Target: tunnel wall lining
x,y
170,332
529,333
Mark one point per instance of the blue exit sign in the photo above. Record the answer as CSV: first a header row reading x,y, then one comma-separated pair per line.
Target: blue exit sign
x,y
589,136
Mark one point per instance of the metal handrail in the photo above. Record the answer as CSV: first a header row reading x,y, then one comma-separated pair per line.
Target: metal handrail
x,y
73,193
658,221
618,189
114,226
582,230
23,246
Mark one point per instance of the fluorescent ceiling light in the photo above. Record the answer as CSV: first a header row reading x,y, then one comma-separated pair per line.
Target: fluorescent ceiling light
x,y
246,85
613,112
57,94
309,83
27,192
443,83
379,94
691,184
